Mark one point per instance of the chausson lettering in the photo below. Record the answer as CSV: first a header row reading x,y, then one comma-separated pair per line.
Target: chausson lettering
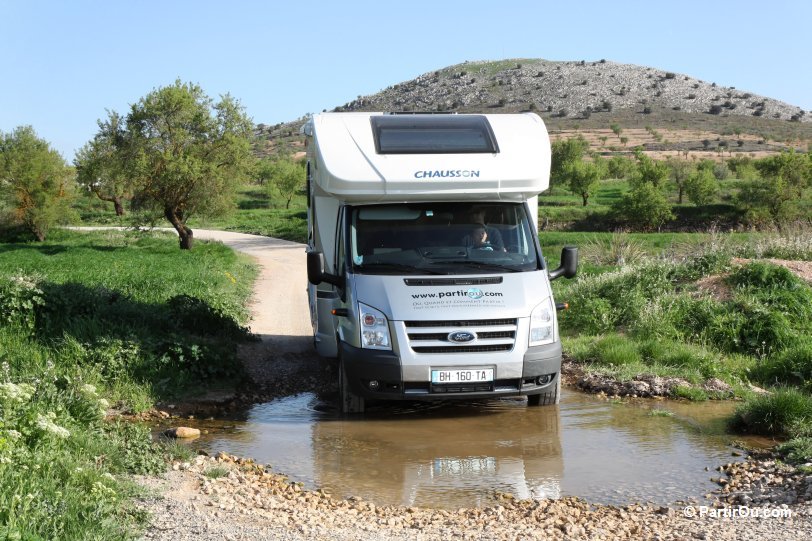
x,y
448,173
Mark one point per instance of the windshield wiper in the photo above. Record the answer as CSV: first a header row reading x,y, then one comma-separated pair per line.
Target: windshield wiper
x,y
477,264
395,267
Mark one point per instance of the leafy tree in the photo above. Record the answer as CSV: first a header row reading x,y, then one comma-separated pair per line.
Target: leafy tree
x,y
743,168
616,129
678,172
35,182
621,167
101,164
644,207
187,154
582,178
775,198
564,153
701,187
284,175
650,171
793,168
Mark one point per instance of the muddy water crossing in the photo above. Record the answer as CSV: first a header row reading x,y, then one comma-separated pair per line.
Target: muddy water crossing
x,y
451,455
455,455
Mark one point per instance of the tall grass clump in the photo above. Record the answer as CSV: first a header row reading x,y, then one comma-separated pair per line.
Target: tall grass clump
x,y
603,302
787,412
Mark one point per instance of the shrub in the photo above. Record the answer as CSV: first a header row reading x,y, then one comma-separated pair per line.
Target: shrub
x,y
764,275
644,207
701,187
720,170
793,366
783,413
20,297
796,450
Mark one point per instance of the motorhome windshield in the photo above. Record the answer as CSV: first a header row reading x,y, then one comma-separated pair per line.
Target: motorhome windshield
x,y
433,134
442,238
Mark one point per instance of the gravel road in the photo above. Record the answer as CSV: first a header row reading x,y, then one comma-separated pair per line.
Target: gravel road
x,y
231,498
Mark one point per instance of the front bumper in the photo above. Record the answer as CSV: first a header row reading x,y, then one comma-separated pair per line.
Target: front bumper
x,y
541,366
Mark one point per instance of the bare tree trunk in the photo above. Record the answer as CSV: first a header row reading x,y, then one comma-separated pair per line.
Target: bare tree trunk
x,y
185,235
115,199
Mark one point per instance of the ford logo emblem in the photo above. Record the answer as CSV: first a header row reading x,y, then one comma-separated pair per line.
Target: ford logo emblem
x,y
461,337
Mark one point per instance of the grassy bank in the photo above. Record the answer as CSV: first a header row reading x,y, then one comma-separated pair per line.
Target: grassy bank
x,y
691,310
90,321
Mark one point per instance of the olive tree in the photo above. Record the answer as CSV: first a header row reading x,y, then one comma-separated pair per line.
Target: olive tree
x,y
565,152
284,175
776,196
186,154
582,178
35,182
679,171
701,187
101,164
644,207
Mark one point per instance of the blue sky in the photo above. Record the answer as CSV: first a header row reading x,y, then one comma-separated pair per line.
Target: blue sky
x,y
63,63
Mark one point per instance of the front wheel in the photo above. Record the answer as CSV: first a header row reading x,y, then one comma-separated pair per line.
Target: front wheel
x,y
348,401
549,398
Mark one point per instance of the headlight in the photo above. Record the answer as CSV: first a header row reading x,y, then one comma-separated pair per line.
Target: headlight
x,y
542,324
374,328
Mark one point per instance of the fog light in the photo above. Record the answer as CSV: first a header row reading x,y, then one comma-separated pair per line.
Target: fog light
x,y
544,380
373,385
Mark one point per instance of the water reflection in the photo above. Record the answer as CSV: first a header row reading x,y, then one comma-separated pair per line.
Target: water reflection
x,y
459,455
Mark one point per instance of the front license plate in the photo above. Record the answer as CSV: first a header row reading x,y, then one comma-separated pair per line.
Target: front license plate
x,y
466,375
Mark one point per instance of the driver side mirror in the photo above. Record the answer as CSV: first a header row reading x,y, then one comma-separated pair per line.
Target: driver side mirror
x,y
316,273
569,263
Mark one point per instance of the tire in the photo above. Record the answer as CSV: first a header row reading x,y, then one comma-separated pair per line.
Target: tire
x,y
349,402
550,398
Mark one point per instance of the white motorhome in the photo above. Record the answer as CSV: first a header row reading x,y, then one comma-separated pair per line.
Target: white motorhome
x,y
426,275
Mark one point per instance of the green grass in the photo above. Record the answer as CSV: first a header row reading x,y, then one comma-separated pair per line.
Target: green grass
x,y
216,472
786,412
90,320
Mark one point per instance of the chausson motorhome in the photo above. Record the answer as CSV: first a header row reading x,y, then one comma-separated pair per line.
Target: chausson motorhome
x,y
426,275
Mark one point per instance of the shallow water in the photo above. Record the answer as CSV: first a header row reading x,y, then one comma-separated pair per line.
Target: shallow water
x,y
455,455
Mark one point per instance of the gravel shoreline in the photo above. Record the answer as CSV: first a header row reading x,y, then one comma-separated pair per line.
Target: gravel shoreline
x,y
250,501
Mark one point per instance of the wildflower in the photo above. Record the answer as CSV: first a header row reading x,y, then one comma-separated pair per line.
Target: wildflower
x,y
100,490
16,393
88,390
231,277
47,425
14,435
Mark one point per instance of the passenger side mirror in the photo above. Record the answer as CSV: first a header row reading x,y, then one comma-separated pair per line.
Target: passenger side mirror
x,y
316,273
569,263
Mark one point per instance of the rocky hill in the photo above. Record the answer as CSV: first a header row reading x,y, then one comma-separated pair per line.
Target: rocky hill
x,y
581,94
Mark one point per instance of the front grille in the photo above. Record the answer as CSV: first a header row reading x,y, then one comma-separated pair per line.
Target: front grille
x,y
461,349
492,335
